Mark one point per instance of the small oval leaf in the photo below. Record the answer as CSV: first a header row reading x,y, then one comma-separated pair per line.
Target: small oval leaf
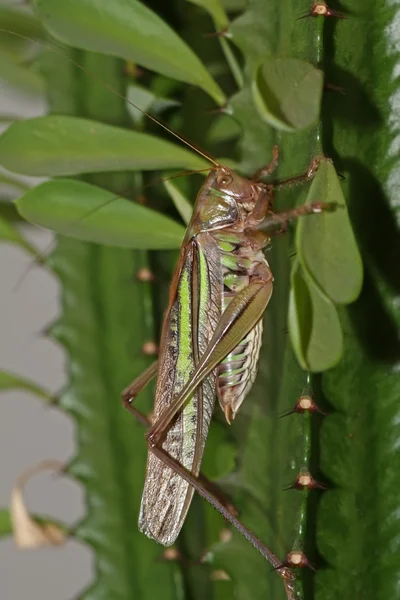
x,y
130,30
9,381
314,324
62,145
325,242
89,213
288,93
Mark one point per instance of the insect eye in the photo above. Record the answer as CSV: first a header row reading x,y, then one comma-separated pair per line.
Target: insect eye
x,y
224,180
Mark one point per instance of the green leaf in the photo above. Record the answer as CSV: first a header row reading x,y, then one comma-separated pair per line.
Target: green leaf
x,y
358,523
9,233
9,381
287,93
5,522
148,101
89,213
223,129
234,5
326,244
220,452
16,25
61,145
182,205
9,181
221,23
17,19
141,97
215,9
313,324
19,76
130,30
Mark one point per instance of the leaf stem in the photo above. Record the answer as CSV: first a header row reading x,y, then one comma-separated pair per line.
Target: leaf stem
x,y
232,62
319,56
301,525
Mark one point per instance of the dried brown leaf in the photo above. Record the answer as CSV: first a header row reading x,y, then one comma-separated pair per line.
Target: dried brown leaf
x,y
29,533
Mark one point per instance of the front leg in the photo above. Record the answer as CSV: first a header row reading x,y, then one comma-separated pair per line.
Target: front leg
x,y
304,177
280,220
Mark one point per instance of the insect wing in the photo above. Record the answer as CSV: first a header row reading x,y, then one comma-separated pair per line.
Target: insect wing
x,y
194,311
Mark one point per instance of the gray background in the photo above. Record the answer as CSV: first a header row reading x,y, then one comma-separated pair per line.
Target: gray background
x,y
30,431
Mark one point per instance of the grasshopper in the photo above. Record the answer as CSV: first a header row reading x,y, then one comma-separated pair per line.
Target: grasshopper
x,y
210,341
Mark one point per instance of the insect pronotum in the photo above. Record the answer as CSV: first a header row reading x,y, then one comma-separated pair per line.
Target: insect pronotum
x,y
210,342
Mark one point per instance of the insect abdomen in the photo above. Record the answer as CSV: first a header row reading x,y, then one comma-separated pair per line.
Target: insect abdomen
x,y
237,372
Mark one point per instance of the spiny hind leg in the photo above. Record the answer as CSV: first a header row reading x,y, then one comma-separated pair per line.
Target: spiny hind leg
x,y
285,572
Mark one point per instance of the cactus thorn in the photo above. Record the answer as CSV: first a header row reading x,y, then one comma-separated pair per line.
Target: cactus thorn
x,y
321,9
305,480
304,404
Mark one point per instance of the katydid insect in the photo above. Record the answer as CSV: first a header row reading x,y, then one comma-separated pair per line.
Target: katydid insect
x,y
210,339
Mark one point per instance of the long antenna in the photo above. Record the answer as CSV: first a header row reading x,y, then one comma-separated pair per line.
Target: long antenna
x,y
58,50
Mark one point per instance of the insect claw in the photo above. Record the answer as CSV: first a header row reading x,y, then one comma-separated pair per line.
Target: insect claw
x,y
229,416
